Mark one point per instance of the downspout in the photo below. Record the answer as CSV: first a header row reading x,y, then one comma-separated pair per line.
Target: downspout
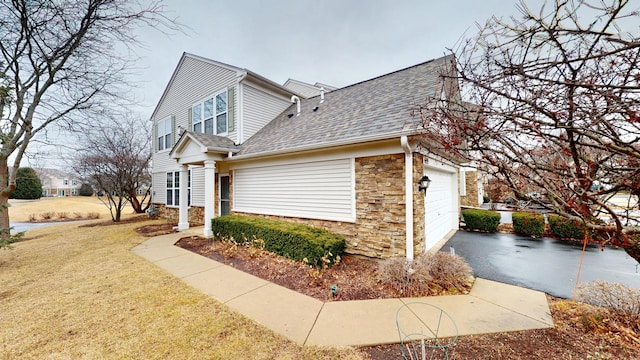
x,y
240,112
408,187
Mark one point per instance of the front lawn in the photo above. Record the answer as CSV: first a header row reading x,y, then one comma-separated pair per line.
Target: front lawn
x,y
78,292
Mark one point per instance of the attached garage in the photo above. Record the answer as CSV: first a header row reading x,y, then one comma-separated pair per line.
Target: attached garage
x,y
441,205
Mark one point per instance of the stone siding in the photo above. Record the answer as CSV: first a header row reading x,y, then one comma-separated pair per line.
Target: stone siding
x,y
419,241
471,181
196,214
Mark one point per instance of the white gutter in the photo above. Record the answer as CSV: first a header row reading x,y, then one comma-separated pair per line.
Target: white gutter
x,y
408,185
324,145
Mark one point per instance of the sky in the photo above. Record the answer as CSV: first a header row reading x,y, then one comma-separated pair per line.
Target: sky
x,y
335,42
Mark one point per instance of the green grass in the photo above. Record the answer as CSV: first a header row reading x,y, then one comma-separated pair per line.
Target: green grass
x,y
72,293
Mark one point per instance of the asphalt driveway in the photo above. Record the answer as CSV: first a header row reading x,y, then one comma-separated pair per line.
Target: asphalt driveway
x,y
544,264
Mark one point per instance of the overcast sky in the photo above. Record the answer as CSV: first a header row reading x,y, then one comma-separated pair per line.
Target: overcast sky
x,y
336,42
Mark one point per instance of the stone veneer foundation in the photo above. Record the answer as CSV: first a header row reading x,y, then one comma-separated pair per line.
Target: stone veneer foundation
x,y
196,214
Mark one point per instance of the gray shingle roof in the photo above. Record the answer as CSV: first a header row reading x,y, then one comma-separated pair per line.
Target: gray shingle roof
x,y
374,108
212,142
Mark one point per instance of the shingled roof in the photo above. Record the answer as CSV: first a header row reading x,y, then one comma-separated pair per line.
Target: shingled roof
x,y
375,109
209,142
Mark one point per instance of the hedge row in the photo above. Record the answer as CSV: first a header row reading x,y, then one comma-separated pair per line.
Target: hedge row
x,y
564,228
484,220
294,241
528,224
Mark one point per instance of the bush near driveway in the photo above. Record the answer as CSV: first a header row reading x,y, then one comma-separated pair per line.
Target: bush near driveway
x,y
484,220
318,247
564,228
528,224
428,274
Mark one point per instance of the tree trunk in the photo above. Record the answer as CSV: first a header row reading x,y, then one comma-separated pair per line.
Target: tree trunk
x,y
5,189
135,204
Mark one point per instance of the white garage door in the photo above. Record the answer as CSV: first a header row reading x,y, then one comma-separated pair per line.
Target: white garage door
x,y
440,206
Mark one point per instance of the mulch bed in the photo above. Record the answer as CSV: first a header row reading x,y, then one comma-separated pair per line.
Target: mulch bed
x,y
354,277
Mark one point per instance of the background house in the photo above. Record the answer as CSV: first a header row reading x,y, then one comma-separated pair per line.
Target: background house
x,y
229,141
58,183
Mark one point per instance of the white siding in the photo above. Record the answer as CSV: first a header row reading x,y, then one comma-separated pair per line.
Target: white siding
x,y
260,108
197,186
194,80
307,90
159,189
314,190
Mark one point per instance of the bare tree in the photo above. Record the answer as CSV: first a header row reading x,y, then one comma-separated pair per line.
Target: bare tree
x,y
115,156
61,65
556,110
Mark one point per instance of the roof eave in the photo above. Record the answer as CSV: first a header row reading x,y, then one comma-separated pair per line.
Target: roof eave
x,y
325,145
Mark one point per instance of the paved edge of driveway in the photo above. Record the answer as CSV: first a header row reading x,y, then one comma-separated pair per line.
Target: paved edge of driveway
x,y
490,306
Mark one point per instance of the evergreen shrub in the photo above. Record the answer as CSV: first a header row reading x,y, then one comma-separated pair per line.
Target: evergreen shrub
x,y
528,224
564,228
318,247
478,219
28,185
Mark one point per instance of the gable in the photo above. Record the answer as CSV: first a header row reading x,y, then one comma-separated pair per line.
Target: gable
x,y
193,79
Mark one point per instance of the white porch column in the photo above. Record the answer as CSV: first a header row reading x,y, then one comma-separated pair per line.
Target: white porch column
x,y
209,195
183,221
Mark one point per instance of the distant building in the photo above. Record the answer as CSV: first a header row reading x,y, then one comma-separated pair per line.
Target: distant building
x,y
58,183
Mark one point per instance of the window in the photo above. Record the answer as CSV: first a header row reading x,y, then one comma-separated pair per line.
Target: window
x,y
173,188
163,133
210,115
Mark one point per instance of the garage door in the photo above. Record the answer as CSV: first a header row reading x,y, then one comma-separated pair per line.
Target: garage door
x,y
441,214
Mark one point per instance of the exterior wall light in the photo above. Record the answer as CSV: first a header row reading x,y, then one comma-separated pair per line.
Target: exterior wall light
x,y
424,183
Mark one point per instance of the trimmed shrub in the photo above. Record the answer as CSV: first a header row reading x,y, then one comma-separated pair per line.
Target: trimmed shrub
x,y
28,185
485,220
564,228
315,246
528,224
85,190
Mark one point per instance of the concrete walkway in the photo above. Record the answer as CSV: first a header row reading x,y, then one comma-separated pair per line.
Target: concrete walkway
x,y
490,307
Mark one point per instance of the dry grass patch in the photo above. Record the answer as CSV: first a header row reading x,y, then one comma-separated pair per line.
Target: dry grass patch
x,y
88,206
75,292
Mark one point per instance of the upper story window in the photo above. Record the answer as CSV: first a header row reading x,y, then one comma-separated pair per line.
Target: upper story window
x,y
163,134
210,115
65,181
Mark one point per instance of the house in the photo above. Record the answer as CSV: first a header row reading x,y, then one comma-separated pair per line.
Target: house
x,y
350,160
58,183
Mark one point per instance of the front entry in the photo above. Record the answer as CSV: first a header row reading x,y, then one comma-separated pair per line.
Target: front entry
x,y
225,201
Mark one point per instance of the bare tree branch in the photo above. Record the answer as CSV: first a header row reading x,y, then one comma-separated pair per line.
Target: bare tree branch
x,y
63,62
552,106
